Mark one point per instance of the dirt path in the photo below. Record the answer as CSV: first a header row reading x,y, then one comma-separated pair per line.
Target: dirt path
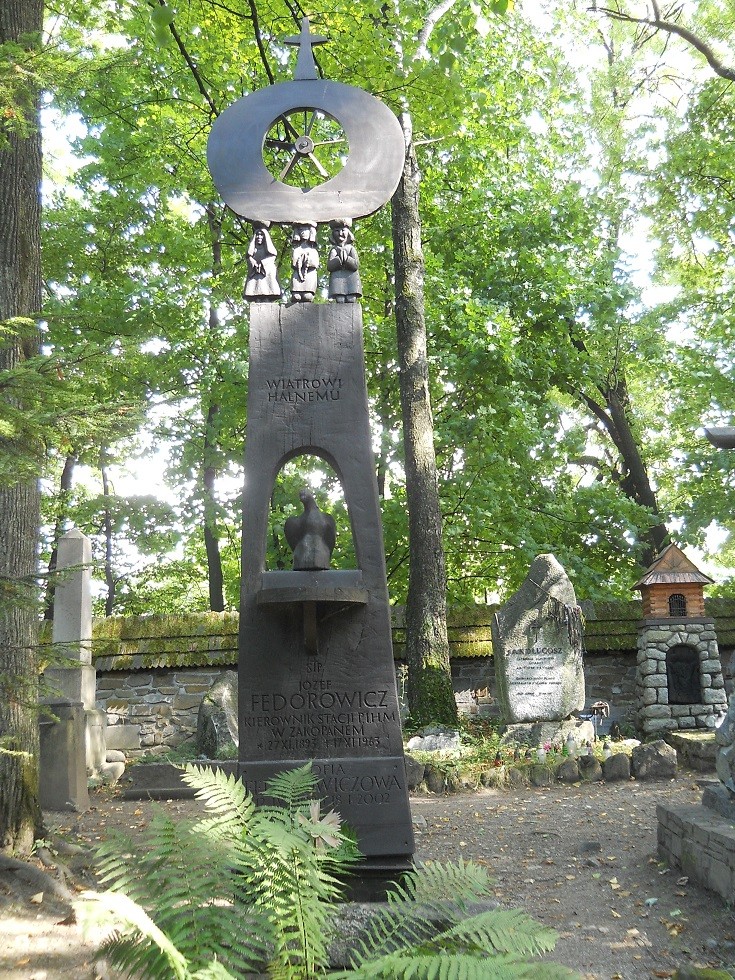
x,y
579,858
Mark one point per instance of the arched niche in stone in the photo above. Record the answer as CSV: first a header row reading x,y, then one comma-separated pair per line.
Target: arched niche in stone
x,y
683,675
316,470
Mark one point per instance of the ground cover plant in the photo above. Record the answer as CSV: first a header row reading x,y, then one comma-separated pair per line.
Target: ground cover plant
x,y
249,889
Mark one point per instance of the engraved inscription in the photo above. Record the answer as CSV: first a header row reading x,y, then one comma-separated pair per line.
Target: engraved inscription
x,y
297,390
344,786
315,713
534,673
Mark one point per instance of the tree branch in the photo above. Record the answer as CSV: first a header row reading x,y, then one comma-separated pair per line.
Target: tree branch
x,y
193,68
671,27
430,22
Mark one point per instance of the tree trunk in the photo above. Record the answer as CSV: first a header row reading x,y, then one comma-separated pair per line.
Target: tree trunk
x,y
20,296
110,581
209,470
631,474
430,694
211,536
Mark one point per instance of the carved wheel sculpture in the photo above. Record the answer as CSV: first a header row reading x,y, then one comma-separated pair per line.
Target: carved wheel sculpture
x,y
306,150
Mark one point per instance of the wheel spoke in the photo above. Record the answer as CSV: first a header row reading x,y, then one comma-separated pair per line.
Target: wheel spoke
x,y
280,145
318,165
289,167
290,129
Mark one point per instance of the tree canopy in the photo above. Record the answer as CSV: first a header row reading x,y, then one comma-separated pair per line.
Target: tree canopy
x,y
569,165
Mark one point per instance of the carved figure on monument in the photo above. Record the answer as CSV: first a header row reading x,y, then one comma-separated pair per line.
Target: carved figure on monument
x,y
344,279
311,536
305,262
261,285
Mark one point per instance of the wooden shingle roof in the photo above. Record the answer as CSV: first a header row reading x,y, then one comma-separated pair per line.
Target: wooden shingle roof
x,y
672,567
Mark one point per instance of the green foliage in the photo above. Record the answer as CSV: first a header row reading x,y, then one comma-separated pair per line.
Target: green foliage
x,y
243,885
247,886
537,169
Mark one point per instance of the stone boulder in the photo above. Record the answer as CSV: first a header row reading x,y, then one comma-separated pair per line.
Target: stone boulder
x,y
217,724
434,739
617,768
537,647
654,760
568,771
589,768
414,772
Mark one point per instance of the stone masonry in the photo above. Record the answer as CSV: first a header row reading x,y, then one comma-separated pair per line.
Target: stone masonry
x,y
654,712
152,710
701,843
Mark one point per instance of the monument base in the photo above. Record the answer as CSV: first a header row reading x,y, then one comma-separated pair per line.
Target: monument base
x,y
369,793
535,733
373,878
700,842
63,784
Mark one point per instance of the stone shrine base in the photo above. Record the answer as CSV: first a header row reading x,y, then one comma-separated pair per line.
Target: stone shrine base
x,y
535,733
700,840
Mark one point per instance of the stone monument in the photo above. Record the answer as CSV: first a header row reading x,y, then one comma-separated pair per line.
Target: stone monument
x,y
316,674
537,649
73,730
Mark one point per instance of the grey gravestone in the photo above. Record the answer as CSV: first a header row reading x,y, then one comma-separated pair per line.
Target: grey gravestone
x,y
537,647
316,674
317,680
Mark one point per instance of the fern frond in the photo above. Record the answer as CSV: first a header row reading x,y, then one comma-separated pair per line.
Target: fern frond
x,y
214,971
502,931
132,917
443,966
135,956
463,882
221,793
293,788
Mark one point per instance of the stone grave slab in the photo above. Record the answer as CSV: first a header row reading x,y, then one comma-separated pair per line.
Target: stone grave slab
x,y
537,647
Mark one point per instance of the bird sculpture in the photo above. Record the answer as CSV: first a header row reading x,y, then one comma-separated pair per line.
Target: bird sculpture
x,y
310,536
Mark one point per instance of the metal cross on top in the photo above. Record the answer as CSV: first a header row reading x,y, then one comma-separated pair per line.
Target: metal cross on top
x,y
305,41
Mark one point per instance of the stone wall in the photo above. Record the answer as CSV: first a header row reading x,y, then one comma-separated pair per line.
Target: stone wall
x,y
152,671
655,713
152,711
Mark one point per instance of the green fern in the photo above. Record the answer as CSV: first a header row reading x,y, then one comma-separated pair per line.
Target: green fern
x,y
246,889
403,939
243,886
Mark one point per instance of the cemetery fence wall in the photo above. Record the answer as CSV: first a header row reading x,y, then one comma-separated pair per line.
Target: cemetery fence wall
x,y
153,671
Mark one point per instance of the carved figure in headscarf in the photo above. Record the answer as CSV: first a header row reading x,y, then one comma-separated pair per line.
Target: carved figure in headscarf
x,y
305,262
261,285
344,279
311,535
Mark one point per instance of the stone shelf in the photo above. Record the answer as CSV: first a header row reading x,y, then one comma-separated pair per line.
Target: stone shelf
x,y
343,587
320,594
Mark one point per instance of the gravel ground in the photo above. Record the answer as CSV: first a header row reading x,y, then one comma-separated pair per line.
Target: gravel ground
x,y
579,858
